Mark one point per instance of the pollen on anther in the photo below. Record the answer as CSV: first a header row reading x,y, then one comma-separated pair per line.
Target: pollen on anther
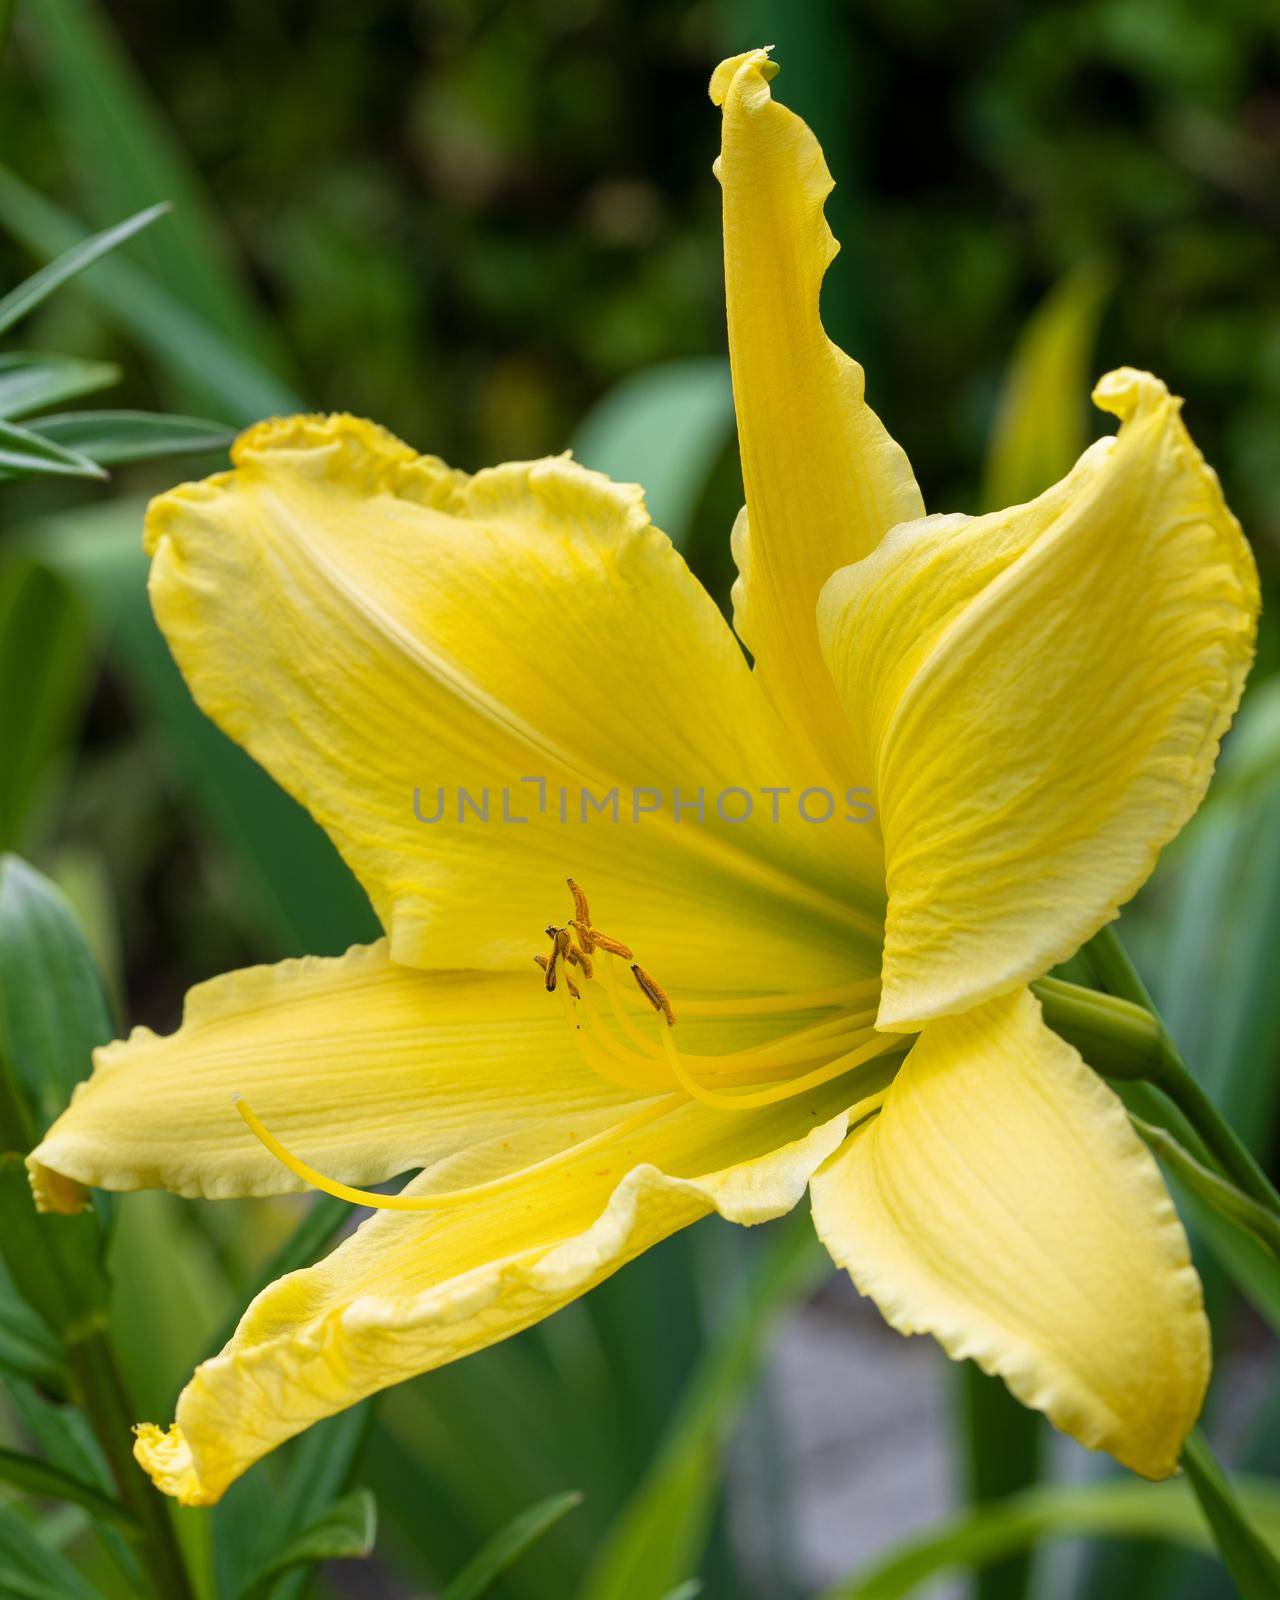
x,y
613,947
654,993
580,910
579,958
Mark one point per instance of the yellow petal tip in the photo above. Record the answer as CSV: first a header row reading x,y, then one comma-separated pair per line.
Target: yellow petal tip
x,y
53,1191
754,60
1127,391
165,1456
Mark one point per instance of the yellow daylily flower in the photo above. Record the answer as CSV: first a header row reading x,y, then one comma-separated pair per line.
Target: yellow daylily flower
x,y
745,1007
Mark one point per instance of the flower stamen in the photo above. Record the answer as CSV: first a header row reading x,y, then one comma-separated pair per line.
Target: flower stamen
x,y
654,993
758,1075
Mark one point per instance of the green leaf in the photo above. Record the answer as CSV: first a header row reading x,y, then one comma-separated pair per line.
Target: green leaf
x,y
44,667
45,1482
659,1535
314,1471
1250,1560
110,437
1211,1188
27,455
53,1012
30,1570
505,1548
119,142
28,1350
64,1439
1040,423
29,381
344,1531
1001,1444
1120,1508
203,368
76,255
56,1262
664,428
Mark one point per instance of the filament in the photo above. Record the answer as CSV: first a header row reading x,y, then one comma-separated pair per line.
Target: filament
x,y
438,1202
752,1100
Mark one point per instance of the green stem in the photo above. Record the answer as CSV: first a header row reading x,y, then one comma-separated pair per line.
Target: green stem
x,y
100,1390
1212,1188
1250,1561
1000,1454
1120,977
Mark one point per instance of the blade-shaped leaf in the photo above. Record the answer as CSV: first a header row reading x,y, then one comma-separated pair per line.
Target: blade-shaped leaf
x,y
28,1350
483,1571
1117,1509
44,665
27,455
76,256
1246,1552
110,437
53,1012
29,381
56,1263
658,1538
203,368
315,1470
65,1440
30,1570
345,1531
46,1482
664,427
116,138
1041,417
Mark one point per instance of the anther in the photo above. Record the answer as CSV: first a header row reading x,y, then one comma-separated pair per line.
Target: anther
x,y
580,910
654,993
614,947
580,958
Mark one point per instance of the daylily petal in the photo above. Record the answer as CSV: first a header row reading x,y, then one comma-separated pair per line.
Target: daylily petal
x,y
1042,692
406,1294
367,622
824,481
365,1068
1002,1202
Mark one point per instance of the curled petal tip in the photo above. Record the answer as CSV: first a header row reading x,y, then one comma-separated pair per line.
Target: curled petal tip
x,y
723,76
167,1460
1127,391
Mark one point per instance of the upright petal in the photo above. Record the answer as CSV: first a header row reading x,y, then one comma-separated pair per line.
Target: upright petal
x,y
824,481
368,624
1042,692
406,1294
1002,1202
